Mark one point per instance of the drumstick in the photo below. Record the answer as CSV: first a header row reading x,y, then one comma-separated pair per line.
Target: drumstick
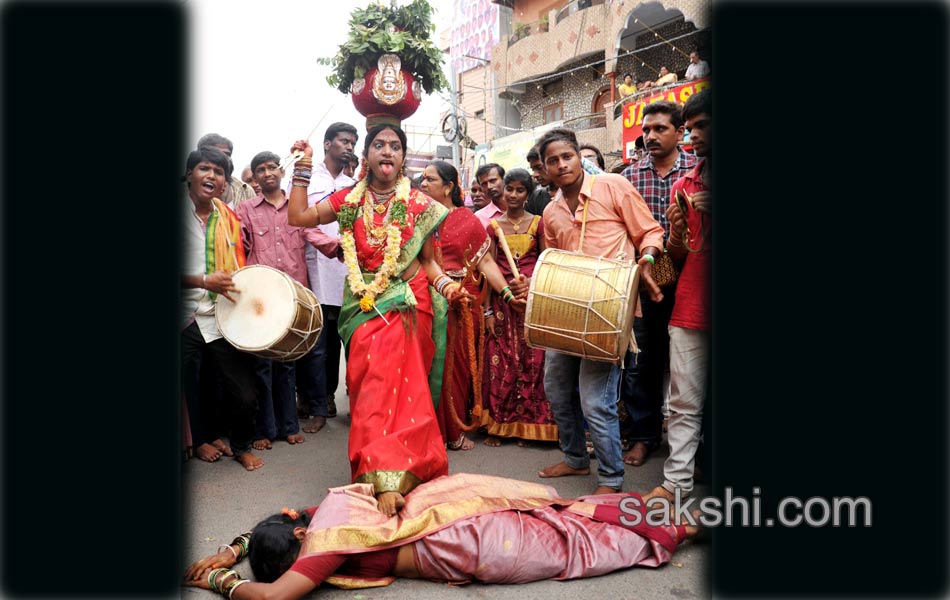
x,y
504,246
298,154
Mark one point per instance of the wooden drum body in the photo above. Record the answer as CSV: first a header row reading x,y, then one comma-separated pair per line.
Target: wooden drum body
x,y
274,317
582,305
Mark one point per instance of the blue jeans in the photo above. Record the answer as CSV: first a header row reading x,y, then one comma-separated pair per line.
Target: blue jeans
x,y
599,389
277,409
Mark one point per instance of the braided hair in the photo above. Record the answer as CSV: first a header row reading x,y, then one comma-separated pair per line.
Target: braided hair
x,y
274,547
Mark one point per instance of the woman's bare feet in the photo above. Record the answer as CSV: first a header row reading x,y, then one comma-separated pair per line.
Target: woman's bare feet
x,y
250,461
390,502
208,453
492,441
296,438
463,444
262,444
525,444
562,470
315,425
223,448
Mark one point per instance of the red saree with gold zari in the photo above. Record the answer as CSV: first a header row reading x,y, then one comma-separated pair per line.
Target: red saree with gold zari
x,y
395,442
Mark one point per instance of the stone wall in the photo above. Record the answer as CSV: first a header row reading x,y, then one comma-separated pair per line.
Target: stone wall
x,y
576,95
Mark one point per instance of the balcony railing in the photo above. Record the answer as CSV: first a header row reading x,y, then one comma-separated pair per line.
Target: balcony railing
x,y
640,94
523,30
575,6
591,121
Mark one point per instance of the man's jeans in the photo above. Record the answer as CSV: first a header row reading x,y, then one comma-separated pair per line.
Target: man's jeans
x,y
599,386
277,406
688,355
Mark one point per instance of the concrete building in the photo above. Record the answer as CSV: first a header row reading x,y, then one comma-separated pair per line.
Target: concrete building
x,y
560,63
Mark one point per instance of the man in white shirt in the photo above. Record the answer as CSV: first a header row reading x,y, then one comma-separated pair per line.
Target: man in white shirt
x,y
207,172
326,271
697,68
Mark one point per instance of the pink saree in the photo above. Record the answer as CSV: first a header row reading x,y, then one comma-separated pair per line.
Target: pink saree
x,y
476,527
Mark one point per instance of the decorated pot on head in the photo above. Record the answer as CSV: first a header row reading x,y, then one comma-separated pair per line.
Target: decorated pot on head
x,y
386,93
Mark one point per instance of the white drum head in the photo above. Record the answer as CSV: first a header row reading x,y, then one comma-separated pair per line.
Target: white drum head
x,y
264,311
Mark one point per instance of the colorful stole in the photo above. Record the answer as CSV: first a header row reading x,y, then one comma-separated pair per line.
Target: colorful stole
x,y
224,250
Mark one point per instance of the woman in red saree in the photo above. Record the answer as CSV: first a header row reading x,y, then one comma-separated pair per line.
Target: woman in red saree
x,y
457,528
386,317
514,401
461,248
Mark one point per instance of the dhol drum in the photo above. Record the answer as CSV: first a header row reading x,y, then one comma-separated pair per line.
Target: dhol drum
x,y
582,305
274,316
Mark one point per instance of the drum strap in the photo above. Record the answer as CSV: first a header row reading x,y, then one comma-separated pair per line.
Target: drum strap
x,y
632,346
580,245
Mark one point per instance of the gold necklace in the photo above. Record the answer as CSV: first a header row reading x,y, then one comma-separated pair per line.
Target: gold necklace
x,y
515,225
375,234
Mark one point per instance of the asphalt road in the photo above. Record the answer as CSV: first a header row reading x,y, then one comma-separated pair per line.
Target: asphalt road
x,y
222,500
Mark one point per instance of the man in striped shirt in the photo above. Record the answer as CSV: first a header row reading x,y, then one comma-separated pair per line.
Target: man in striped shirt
x,y
642,383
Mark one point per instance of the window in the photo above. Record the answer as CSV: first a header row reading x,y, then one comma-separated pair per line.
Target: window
x,y
480,115
552,88
552,113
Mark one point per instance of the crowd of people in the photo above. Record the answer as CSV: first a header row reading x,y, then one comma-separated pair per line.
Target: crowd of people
x,y
697,69
426,298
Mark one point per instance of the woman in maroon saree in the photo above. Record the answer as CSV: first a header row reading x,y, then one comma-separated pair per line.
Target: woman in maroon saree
x,y
462,250
514,403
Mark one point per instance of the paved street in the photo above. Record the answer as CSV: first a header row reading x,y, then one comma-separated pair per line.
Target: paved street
x,y
223,500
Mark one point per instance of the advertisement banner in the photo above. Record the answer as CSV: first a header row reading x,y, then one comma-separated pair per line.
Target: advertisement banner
x,y
511,151
633,112
474,33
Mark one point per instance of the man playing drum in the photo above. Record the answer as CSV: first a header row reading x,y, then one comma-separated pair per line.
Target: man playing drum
x,y
618,224
212,251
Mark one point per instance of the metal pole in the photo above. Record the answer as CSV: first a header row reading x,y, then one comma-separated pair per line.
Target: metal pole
x,y
455,115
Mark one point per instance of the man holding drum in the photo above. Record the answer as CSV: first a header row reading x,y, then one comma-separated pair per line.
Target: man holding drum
x,y
618,225
212,251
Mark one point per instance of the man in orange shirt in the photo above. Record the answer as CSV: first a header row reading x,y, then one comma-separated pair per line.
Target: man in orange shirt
x,y
619,224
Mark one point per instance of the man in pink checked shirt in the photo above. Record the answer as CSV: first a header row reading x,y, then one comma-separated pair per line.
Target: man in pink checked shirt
x,y
269,240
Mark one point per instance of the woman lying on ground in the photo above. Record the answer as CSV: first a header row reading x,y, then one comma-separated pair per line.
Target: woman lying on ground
x,y
457,528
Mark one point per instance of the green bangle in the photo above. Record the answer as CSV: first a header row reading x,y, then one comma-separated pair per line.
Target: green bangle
x,y
650,258
213,576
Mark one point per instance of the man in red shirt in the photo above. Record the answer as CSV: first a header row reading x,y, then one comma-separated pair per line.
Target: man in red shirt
x,y
690,216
